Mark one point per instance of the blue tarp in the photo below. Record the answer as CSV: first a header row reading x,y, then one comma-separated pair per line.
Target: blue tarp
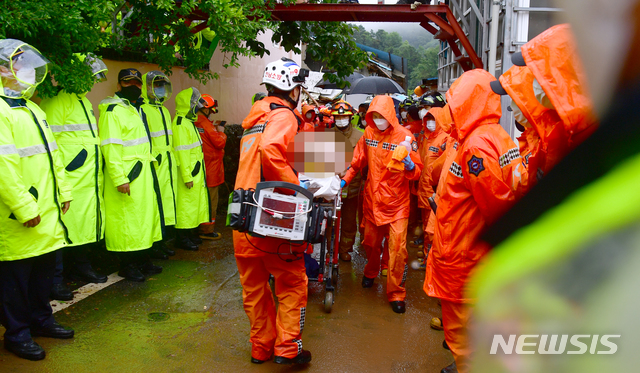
x,y
395,61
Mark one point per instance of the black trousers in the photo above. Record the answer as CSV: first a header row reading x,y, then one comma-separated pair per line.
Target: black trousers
x,y
71,257
25,286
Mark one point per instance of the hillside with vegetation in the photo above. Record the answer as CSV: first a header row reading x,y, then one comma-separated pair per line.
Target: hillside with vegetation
x,y
420,50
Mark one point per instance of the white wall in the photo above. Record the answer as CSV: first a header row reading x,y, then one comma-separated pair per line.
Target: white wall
x,y
233,90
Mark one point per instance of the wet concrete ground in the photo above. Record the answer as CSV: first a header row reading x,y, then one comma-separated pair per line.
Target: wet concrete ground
x,y
190,319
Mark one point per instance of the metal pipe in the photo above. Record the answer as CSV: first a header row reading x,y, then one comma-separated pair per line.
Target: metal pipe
x,y
493,36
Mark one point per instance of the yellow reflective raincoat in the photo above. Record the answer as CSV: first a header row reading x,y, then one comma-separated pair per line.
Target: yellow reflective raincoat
x,y
192,205
31,182
74,127
132,222
158,121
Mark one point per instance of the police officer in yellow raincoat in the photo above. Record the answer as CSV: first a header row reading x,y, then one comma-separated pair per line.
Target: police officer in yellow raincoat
x,y
192,200
71,119
132,218
156,90
33,198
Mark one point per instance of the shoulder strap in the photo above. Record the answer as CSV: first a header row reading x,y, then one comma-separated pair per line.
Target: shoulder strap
x,y
275,106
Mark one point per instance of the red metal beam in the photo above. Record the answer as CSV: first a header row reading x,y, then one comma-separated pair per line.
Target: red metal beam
x,y
464,41
355,12
376,13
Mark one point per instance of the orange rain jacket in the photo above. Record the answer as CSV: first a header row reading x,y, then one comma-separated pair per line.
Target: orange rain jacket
x,y
414,126
213,143
263,157
544,143
553,59
431,149
386,194
478,186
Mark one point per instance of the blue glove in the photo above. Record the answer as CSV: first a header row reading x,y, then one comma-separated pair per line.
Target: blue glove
x,y
408,163
304,184
342,183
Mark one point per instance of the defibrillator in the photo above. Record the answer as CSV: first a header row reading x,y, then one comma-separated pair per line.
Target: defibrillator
x,y
277,209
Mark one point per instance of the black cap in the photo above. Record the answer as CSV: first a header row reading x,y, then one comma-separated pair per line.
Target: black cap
x,y
518,60
497,88
128,74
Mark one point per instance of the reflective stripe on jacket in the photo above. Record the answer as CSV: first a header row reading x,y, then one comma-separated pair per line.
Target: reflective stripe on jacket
x,y
192,205
32,183
74,127
387,194
158,120
477,189
132,222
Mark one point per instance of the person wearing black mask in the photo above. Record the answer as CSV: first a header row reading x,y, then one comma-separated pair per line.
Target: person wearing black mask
x,y
133,213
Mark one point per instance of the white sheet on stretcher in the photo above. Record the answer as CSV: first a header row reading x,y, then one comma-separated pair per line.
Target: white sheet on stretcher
x,y
327,188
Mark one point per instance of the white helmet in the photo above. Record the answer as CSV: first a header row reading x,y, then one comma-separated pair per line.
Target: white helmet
x,y
284,74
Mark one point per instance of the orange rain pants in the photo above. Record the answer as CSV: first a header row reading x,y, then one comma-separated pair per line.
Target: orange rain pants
x,y
397,273
455,318
274,333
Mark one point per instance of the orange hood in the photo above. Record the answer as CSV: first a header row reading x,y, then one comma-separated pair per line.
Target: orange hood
x,y
472,102
518,82
384,106
443,118
553,59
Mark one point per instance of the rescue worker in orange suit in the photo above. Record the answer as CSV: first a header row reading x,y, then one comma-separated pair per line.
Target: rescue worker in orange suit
x,y
409,113
387,196
547,86
213,143
477,191
268,129
431,147
343,112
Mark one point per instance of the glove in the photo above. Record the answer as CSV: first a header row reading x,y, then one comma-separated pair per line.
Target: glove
x,y
304,184
342,183
408,163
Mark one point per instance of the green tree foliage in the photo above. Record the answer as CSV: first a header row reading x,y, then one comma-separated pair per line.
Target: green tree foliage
x,y
154,31
422,61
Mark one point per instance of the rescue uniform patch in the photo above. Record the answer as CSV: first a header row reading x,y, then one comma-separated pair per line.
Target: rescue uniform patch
x,y
475,165
414,146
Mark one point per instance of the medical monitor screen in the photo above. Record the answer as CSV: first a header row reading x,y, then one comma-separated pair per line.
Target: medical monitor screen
x,y
280,206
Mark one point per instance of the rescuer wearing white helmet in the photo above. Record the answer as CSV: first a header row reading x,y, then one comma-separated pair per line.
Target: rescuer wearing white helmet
x,y
268,130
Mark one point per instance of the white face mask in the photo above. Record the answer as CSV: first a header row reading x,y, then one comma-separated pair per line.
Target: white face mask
x,y
541,96
422,113
342,123
382,124
364,122
403,115
431,125
26,75
518,116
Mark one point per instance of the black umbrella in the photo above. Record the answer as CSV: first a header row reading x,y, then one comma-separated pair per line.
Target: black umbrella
x,y
326,84
374,85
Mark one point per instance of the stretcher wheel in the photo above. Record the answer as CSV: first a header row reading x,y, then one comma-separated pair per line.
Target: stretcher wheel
x,y
328,301
334,276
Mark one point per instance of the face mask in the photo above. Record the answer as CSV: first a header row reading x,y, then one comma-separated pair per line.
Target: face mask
x,y
26,75
309,116
403,115
541,96
431,125
131,93
364,123
342,123
518,116
160,92
422,113
382,124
